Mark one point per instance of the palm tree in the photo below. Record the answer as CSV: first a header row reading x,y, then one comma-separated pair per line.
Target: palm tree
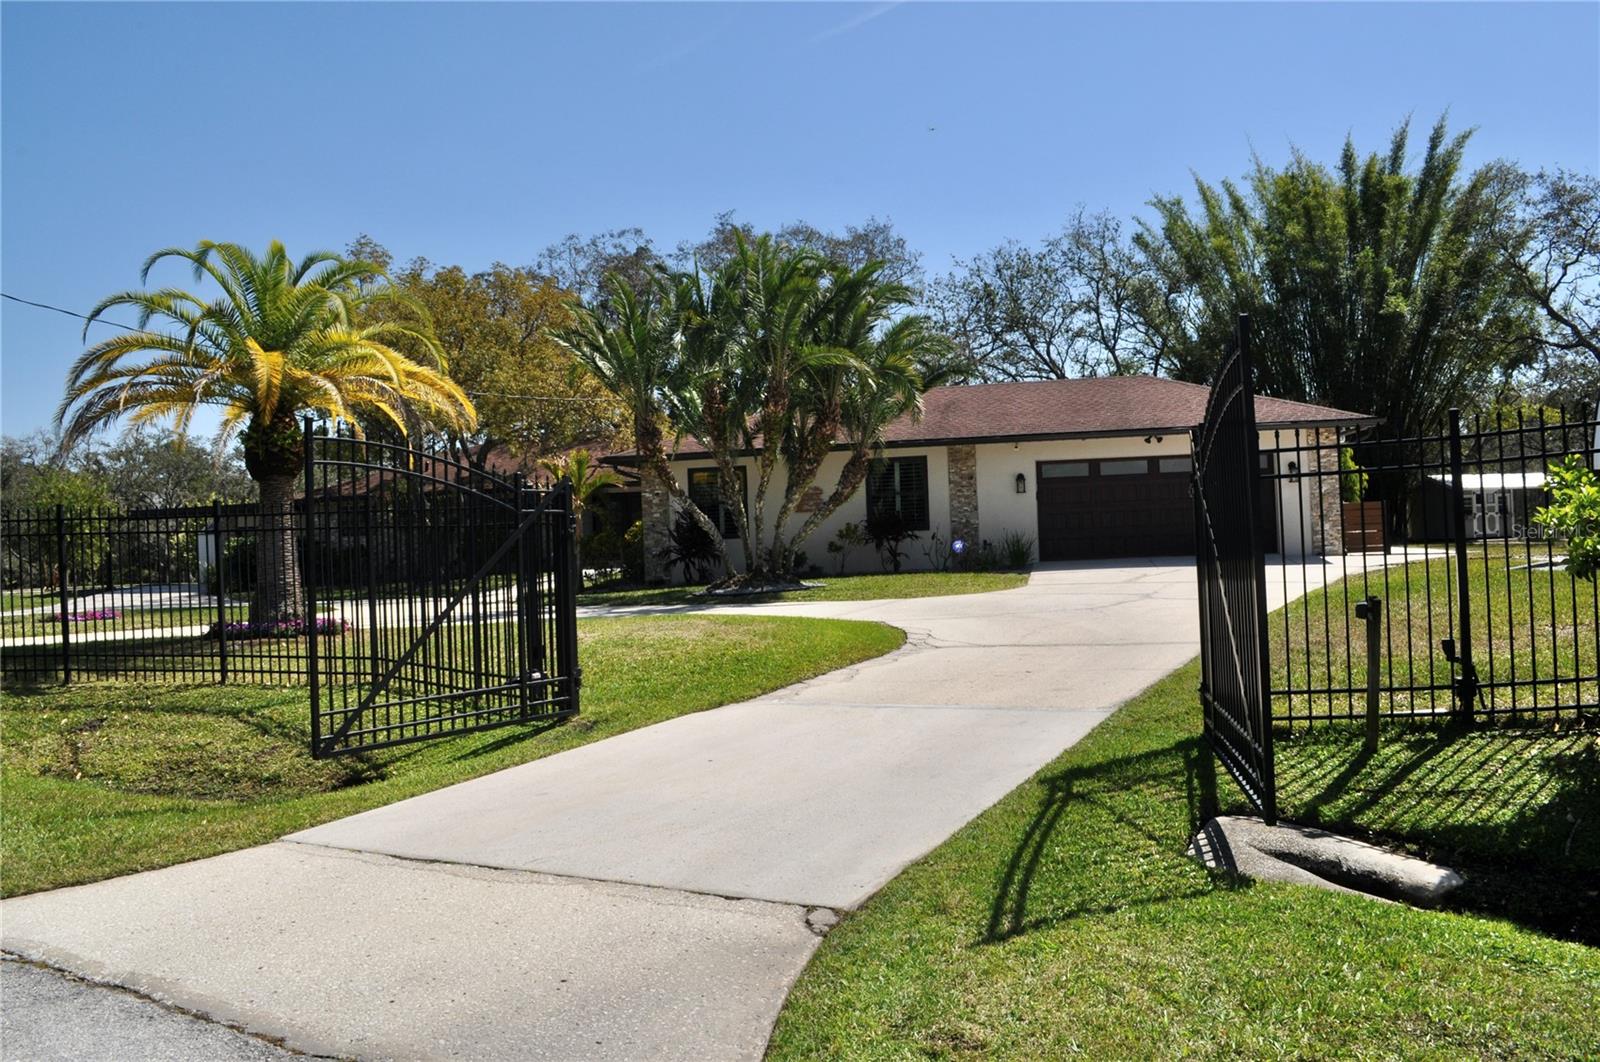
x,y
781,297
579,468
716,389
282,338
898,363
632,346
851,324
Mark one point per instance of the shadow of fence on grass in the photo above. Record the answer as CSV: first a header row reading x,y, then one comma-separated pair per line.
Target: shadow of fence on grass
x,y
1515,809
1143,798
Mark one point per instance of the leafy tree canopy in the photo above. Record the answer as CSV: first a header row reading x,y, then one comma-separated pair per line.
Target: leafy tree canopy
x,y
873,240
1375,287
1555,250
1068,306
493,327
144,468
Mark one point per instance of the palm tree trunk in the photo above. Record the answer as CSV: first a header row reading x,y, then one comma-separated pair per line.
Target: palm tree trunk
x,y
279,595
851,476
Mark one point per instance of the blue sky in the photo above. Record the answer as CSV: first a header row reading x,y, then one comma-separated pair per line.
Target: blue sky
x,y
475,133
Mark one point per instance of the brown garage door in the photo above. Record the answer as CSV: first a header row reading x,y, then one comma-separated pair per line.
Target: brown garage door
x,y
1128,507
1132,507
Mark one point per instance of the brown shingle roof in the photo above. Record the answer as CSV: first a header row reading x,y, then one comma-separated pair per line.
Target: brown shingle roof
x,y
1097,406
1106,405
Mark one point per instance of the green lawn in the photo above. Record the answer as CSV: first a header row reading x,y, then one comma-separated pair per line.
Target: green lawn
x,y
1528,623
833,588
107,778
1067,921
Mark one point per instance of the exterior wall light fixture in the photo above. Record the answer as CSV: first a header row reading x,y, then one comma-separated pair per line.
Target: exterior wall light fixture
x,y
1022,483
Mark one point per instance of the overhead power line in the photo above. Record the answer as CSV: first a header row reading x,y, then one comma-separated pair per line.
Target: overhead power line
x,y
131,328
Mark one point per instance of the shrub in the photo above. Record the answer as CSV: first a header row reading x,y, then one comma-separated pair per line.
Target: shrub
x,y
601,550
692,548
847,538
889,534
239,631
1352,477
983,556
938,552
804,567
1017,549
238,564
1574,514
633,552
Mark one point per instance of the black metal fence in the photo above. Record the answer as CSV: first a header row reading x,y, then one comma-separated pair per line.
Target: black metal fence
x,y
1230,569
448,597
1420,579
138,594
430,598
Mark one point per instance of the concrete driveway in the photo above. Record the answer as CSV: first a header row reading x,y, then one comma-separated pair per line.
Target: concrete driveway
x,y
649,896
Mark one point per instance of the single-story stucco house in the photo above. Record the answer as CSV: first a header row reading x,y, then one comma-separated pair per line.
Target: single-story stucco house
x,y
1086,468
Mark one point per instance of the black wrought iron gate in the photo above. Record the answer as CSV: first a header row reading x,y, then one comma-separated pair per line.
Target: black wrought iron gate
x,y
1232,576
445,596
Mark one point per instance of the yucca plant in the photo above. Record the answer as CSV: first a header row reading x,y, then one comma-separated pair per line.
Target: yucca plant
x,y
279,339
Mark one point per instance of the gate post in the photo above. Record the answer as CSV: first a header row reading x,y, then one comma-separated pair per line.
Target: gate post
x,y
309,582
222,589
1461,653
1261,680
62,596
524,587
569,578
1371,611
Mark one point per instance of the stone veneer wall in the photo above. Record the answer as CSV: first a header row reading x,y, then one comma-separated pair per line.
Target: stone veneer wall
x,y
963,463
655,511
1327,515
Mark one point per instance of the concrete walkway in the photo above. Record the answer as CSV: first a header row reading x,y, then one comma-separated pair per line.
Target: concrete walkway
x,y
653,895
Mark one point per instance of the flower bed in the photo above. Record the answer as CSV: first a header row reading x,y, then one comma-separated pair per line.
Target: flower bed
x,y
297,628
88,617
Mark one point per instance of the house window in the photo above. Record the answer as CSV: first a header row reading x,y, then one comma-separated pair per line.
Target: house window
x,y
1063,469
1135,467
706,492
899,485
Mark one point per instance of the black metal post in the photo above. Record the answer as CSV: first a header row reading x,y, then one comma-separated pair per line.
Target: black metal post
x,y
1203,575
568,596
1260,666
1371,610
62,595
1467,680
372,588
222,588
522,587
313,678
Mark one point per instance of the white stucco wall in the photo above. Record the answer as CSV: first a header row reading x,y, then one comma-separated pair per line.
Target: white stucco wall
x,y
1000,508
864,558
